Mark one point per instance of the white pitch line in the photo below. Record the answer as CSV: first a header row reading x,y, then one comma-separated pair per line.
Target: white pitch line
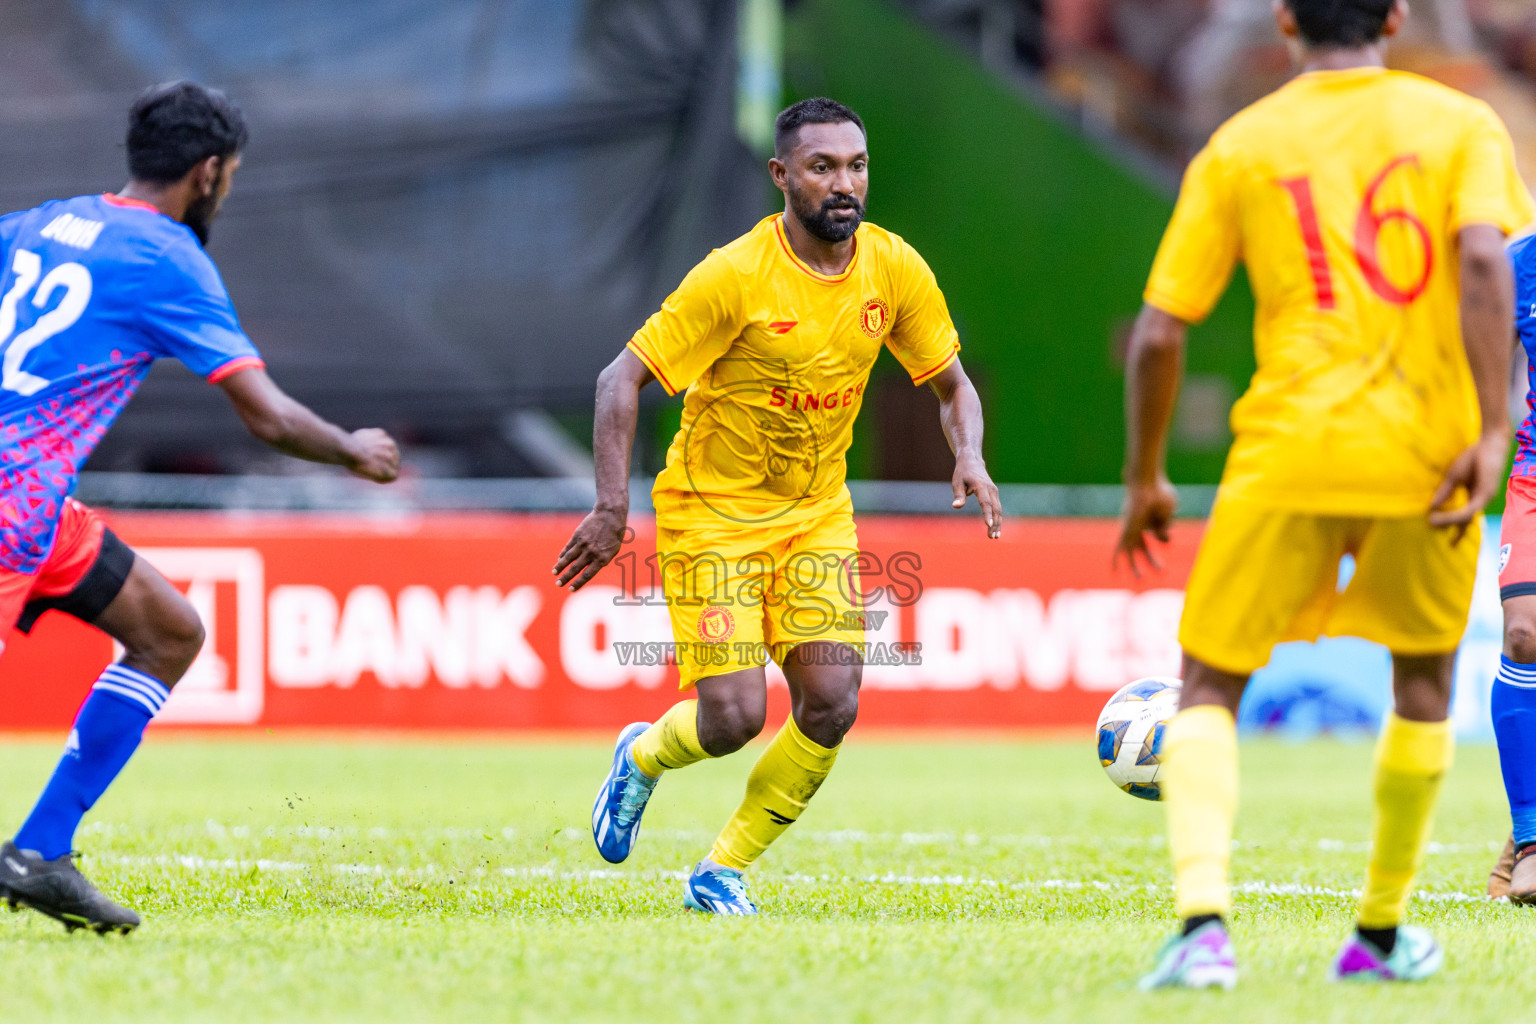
x,y
223,831
203,864
192,863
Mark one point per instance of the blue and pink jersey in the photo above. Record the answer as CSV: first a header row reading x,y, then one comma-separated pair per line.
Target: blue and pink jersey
x,y
93,291
1522,256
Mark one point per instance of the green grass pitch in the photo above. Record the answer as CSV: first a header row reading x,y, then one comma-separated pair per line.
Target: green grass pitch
x,y
981,880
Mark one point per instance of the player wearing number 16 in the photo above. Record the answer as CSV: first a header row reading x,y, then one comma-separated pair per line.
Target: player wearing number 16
x,y
1370,209
92,291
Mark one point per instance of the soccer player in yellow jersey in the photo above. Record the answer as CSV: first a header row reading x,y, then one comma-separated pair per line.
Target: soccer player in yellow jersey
x,y
1370,209
772,338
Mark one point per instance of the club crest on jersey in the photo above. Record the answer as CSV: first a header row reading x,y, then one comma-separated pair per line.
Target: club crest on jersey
x,y
716,624
1504,556
874,317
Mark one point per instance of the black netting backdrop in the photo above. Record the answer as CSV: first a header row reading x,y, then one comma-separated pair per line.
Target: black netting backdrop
x,y
449,209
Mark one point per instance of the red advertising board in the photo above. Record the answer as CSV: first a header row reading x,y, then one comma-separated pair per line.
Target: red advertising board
x,y
454,621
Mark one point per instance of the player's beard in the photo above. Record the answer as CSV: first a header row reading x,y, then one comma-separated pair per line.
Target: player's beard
x,y
199,217
817,219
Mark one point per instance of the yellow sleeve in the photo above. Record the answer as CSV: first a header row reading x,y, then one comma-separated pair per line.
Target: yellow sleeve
x,y
694,327
922,336
1200,246
1488,188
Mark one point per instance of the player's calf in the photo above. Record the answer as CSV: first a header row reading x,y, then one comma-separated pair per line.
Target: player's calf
x,y
162,635
824,697
779,789
1413,755
1513,706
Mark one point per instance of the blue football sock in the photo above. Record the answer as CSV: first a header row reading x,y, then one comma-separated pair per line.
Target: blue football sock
x,y
1513,704
107,732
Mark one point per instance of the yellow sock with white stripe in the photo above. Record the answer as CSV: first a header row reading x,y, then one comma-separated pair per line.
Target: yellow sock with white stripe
x,y
1200,788
671,742
782,783
1411,761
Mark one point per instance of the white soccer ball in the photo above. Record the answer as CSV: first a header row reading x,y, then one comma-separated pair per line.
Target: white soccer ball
x,y
1131,734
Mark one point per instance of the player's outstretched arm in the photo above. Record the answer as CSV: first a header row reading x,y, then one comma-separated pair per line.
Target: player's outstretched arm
x,y
598,538
1487,331
960,414
1154,365
290,427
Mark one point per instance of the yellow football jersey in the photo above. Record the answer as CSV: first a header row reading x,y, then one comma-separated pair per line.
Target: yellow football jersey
x,y
1342,193
774,358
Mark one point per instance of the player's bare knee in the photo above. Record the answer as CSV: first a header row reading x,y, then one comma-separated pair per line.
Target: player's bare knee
x,y
832,723
725,726
826,715
1520,639
169,647
729,734
186,636
1421,685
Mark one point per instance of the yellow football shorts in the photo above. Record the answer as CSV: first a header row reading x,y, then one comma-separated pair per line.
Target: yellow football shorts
x,y
741,595
1265,575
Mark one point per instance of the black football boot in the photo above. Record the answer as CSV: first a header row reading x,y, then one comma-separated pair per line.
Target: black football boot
x,y
58,889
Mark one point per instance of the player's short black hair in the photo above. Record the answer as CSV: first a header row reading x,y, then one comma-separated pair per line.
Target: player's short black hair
x,y
1343,23
817,110
173,127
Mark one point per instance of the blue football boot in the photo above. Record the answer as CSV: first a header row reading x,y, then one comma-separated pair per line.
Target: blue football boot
x,y
717,891
621,801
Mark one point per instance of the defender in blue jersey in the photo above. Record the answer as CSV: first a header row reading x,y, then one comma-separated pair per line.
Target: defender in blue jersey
x,y
92,291
1513,701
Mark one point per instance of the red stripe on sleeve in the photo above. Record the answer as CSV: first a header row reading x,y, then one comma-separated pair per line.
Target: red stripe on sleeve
x,y
234,366
651,365
940,368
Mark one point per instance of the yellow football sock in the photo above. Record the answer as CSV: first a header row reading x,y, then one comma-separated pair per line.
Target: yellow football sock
x,y
671,742
1411,760
782,782
1200,788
